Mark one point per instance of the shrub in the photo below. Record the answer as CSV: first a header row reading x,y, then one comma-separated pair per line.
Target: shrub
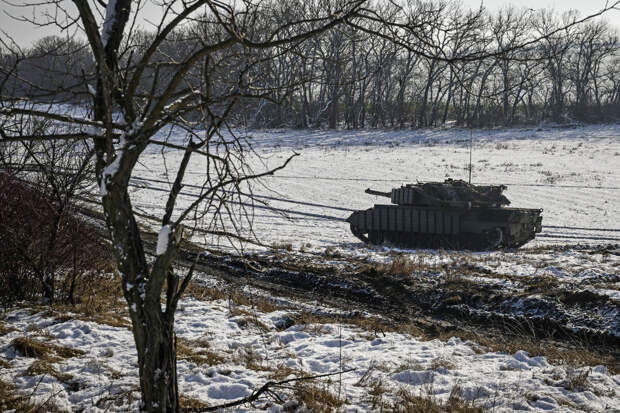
x,y
39,244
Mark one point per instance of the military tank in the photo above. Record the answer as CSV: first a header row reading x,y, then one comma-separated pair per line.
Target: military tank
x,y
452,214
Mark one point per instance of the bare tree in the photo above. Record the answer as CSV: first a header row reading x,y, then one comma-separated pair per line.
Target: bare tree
x,y
138,90
178,88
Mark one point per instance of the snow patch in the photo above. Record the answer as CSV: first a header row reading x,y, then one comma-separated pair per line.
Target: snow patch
x,y
108,23
110,171
162,240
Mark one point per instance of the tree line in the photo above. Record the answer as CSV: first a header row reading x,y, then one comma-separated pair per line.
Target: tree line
x,y
359,77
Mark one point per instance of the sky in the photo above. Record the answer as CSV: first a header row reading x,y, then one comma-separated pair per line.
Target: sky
x,y
25,34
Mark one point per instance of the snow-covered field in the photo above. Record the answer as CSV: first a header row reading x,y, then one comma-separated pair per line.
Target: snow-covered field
x,y
252,347
572,173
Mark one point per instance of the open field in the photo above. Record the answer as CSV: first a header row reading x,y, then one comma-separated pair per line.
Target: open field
x,y
536,329
573,174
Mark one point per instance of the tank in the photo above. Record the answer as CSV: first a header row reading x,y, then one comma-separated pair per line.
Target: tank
x,y
452,214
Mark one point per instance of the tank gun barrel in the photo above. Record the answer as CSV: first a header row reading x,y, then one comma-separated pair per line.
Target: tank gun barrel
x,y
378,193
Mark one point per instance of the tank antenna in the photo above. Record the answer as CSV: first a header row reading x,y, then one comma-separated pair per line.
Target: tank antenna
x,y
470,149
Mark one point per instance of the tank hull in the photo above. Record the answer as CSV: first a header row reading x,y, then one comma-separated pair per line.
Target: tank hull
x,y
476,228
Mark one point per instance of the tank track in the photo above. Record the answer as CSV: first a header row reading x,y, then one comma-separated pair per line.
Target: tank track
x,y
491,240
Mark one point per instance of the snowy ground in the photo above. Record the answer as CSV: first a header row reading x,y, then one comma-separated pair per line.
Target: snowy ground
x,y
573,174
252,347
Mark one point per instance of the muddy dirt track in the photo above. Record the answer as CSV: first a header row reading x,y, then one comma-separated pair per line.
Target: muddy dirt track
x,y
438,302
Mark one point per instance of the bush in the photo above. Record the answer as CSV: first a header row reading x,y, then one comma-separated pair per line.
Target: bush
x,y
40,245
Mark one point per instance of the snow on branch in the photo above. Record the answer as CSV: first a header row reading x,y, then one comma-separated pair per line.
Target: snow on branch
x,y
162,240
108,23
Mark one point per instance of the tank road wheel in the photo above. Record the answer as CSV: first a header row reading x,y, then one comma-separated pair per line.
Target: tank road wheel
x,y
494,238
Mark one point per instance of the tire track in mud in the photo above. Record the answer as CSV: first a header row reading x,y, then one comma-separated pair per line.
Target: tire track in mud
x,y
561,315
450,307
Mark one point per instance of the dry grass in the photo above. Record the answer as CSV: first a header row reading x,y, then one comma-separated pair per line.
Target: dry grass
x,y
541,285
577,380
4,329
378,326
44,351
332,252
402,265
316,397
44,368
376,395
573,355
251,359
102,303
4,364
191,403
283,372
124,397
11,399
246,318
408,402
204,293
196,352
442,363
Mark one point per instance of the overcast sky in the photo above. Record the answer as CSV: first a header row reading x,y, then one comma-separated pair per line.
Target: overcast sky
x,y
25,34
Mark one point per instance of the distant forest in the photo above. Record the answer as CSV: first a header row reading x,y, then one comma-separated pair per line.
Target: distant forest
x,y
353,77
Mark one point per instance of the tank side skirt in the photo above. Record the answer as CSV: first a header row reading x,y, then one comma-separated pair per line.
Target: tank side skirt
x,y
452,228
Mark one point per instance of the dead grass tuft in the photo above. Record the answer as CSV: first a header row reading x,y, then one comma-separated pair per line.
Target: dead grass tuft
x,y
316,397
44,368
576,380
43,350
408,402
123,397
283,372
332,252
4,364
541,285
201,292
12,399
5,329
401,265
196,352
251,359
378,326
246,318
377,395
101,302
442,363
192,404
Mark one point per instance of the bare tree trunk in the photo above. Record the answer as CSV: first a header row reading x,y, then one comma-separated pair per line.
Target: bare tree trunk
x,y
157,361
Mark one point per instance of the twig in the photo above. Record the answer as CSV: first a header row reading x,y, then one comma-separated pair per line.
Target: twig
x,y
265,388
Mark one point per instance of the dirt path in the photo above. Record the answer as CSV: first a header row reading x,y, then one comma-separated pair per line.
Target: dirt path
x,y
542,318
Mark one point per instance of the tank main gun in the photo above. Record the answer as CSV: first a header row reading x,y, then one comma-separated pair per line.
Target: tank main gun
x,y
378,193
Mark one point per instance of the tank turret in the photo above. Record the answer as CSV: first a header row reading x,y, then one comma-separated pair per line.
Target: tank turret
x,y
449,214
456,193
